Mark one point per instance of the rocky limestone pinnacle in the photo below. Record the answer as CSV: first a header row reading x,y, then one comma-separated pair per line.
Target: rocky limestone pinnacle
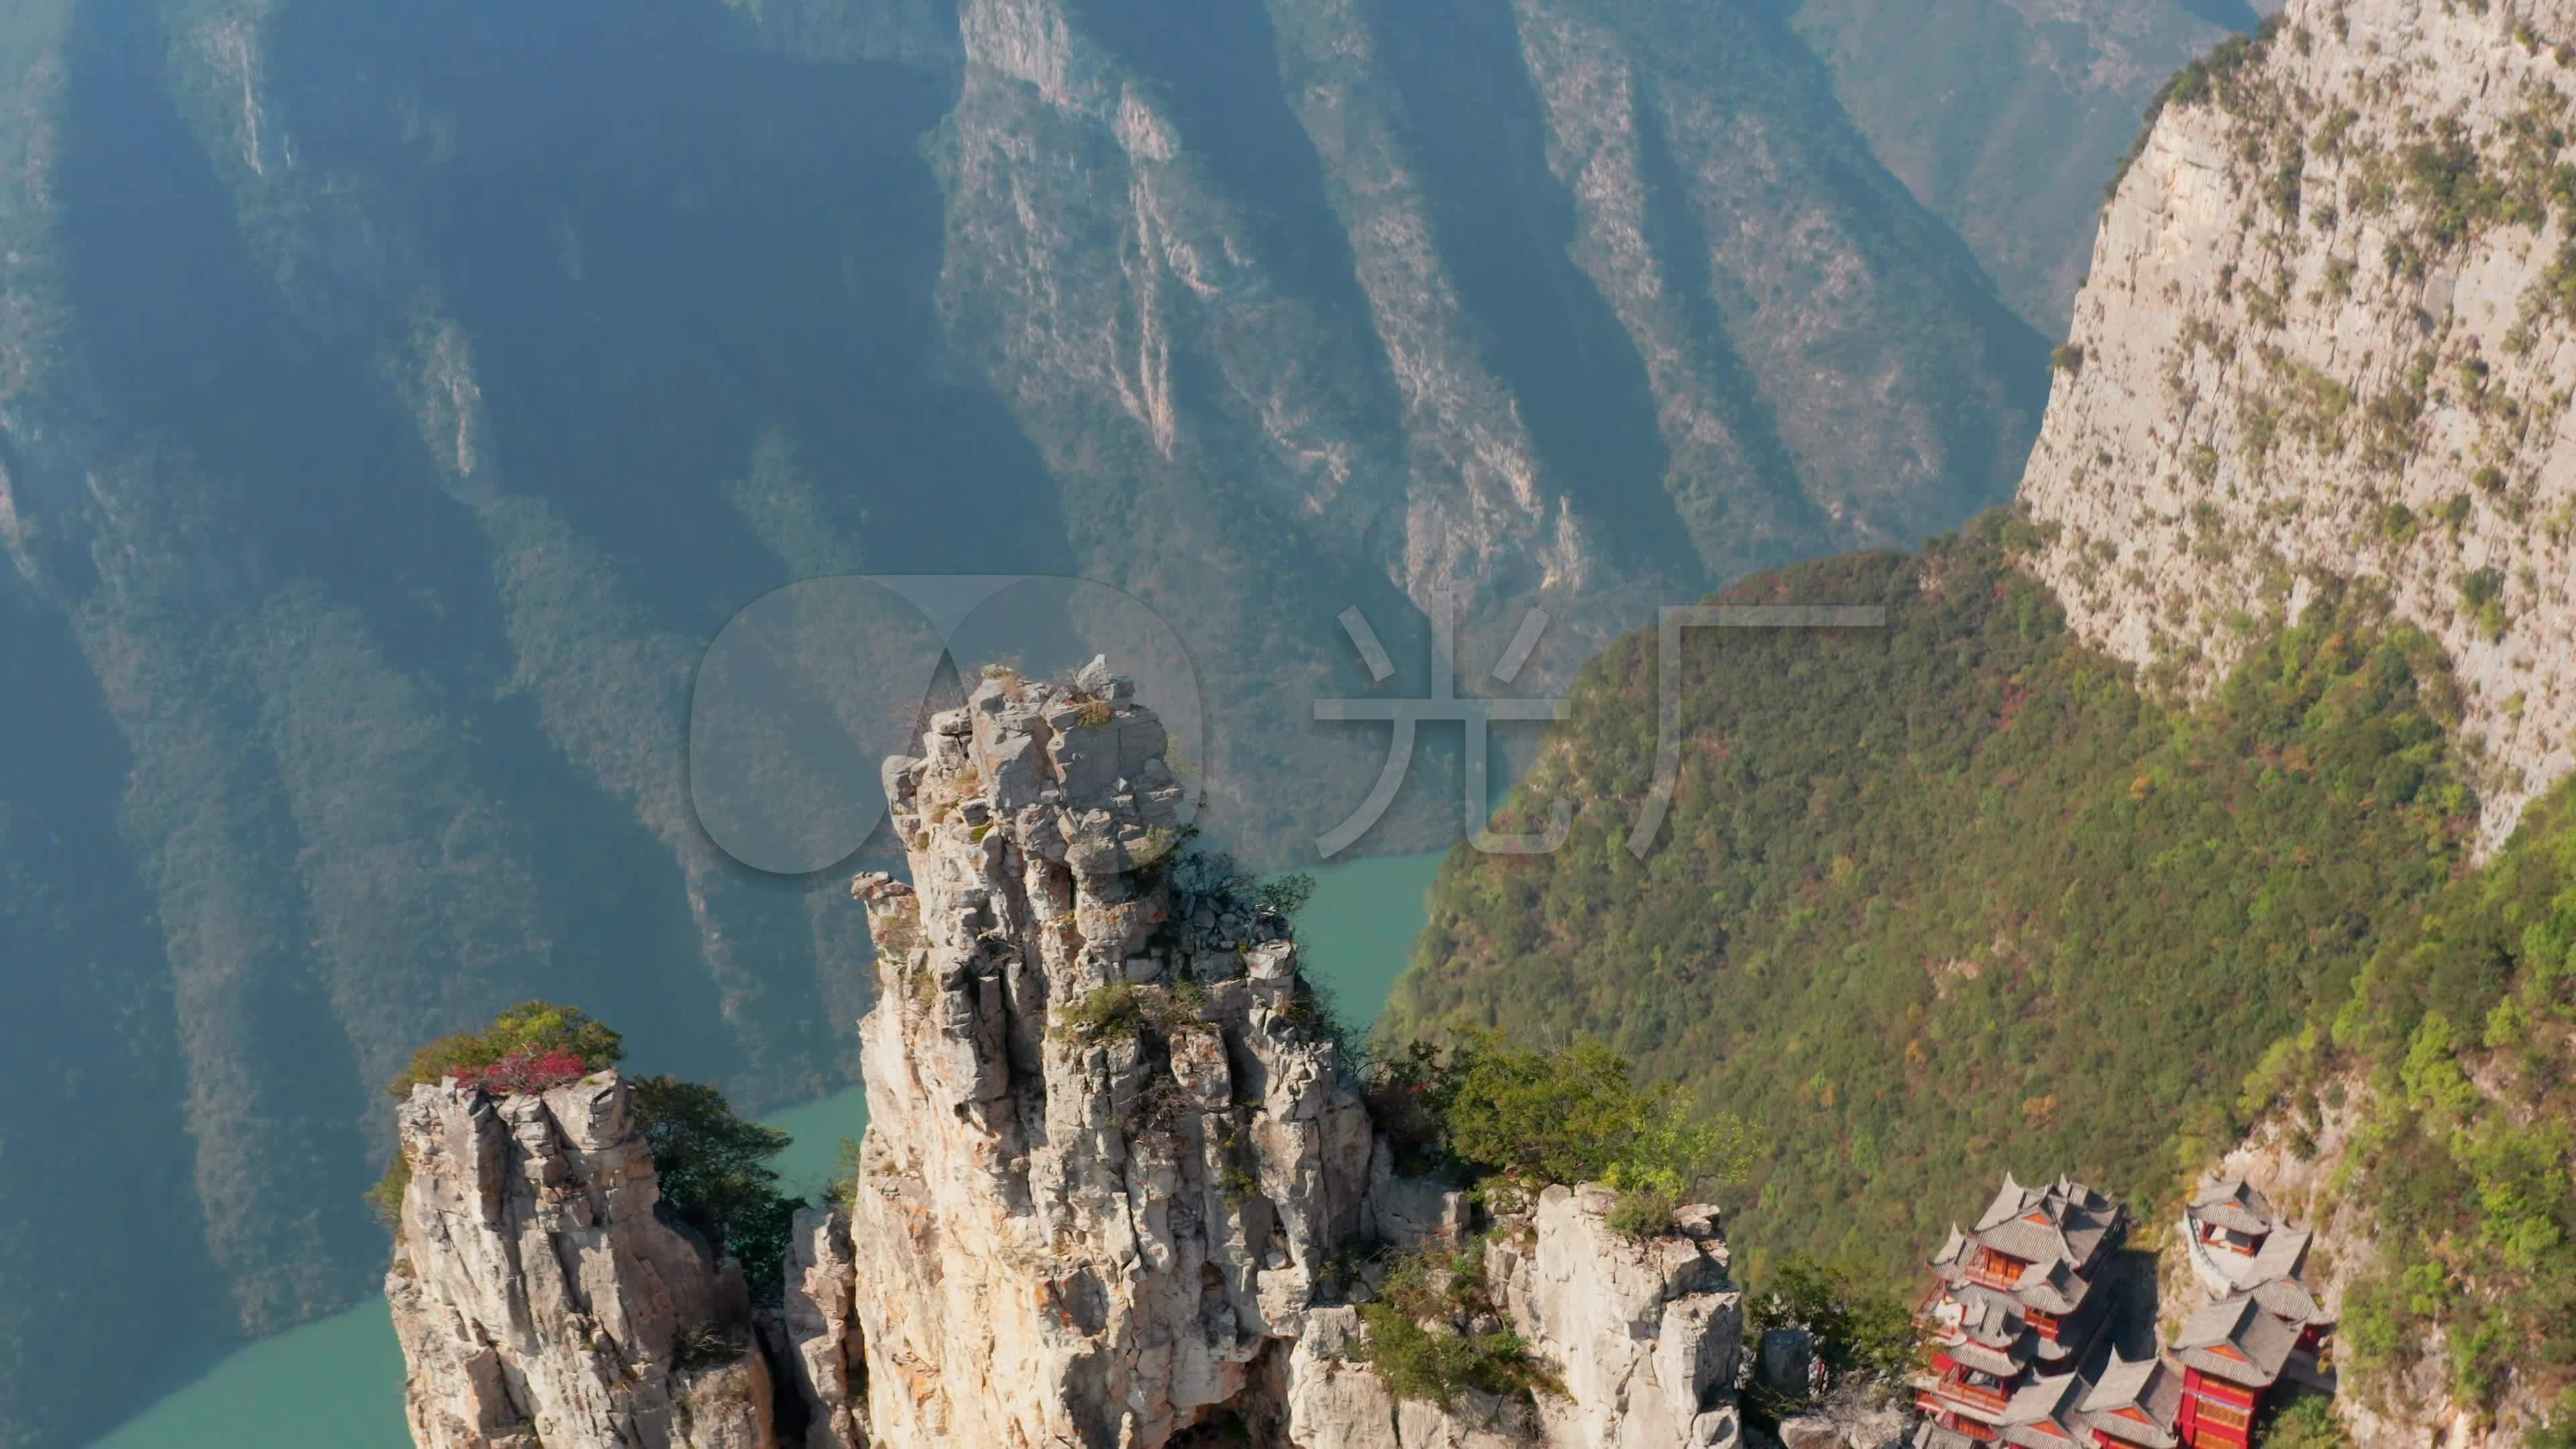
x,y
1116,1167
1119,1189
541,1303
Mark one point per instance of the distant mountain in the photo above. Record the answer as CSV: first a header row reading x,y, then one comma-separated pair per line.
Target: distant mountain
x,y
2006,116
393,402
2210,803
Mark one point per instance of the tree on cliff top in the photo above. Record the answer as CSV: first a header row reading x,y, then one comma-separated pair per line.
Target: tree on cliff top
x,y
530,1030
1534,1117
713,1165
715,1172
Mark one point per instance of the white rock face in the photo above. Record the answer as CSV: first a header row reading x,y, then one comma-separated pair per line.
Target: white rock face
x,y
1067,1235
1644,1333
824,1360
2293,363
1111,1157
540,1303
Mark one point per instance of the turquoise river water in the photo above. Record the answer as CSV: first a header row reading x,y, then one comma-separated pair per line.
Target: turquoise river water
x,y
337,1383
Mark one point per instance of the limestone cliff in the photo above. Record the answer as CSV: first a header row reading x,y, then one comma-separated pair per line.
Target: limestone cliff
x,y
1117,1175
539,1300
2331,329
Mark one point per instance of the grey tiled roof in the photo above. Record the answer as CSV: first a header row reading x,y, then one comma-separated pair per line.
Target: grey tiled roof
x,y
1985,1313
2002,1362
2054,1288
2061,1222
2281,1256
2270,1273
2137,1401
2287,1298
2235,1340
2234,1204
2041,1414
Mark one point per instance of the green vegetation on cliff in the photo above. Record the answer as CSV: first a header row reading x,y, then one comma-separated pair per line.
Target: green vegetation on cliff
x,y
2458,1030
713,1165
1954,897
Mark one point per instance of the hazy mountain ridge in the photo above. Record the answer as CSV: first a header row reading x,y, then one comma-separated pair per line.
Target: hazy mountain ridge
x,y
2005,116
393,402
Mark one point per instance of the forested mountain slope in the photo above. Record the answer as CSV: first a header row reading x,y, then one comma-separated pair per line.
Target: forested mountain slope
x,y
394,401
1952,897
2423,1122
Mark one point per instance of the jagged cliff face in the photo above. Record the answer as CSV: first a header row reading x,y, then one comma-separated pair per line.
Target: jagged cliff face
x,y
1061,1238
538,1299
1117,1180
2329,330
392,402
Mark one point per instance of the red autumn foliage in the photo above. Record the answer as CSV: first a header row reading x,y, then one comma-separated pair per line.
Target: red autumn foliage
x,y
523,1071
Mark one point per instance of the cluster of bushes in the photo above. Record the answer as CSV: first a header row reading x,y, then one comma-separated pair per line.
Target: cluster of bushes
x,y
713,1164
1862,1329
529,1042
1434,1332
521,1070
1511,1119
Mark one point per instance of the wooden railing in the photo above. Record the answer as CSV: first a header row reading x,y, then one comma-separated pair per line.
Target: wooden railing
x,y
1990,1400
1948,1417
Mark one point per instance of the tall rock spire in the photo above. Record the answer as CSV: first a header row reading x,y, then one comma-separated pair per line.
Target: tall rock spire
x,y
1111,1143
541,1303
1118,1179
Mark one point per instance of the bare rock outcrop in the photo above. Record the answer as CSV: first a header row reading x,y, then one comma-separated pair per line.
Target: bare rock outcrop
x,y
1115,1166
818,1319
541,1302
1642,1334
2329,331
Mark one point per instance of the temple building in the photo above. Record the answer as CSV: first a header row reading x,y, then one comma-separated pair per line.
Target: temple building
x,y
2013,1313
2232,1352
2240,1246
2012,1322
2137,1405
